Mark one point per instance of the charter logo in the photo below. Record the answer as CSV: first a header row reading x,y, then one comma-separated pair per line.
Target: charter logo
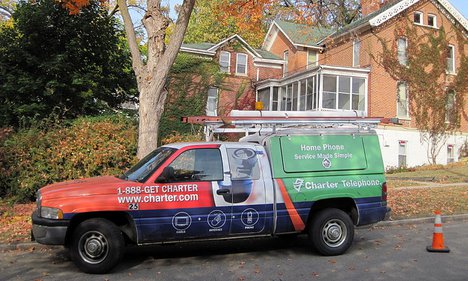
x,y
298,184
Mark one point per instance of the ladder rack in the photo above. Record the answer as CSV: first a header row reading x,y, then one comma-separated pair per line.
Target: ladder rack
x,y
272,124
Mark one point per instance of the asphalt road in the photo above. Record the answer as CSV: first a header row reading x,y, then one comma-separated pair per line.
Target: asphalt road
x,y
380,253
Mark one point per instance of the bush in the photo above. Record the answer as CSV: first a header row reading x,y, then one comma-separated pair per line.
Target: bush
x,y
89,146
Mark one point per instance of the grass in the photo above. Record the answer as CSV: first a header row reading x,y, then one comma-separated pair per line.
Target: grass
x,y
420,201
452,173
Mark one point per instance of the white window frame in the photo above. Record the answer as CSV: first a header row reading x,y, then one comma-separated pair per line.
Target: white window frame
x,y
450,153
356,52
399,115
246,64
311,64
434,17
286,62
402,60
449,104
451,56
404,145
228,61
421,18
212,100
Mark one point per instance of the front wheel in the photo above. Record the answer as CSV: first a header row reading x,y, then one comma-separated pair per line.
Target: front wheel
x,y
331,232
97,246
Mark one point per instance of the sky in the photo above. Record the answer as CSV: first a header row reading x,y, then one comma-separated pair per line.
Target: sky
x,y
461,5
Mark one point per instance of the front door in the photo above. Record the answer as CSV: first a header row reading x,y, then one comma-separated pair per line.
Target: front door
x,y
185,207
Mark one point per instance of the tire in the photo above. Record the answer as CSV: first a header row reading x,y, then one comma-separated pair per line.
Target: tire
x,y
97,246
331,232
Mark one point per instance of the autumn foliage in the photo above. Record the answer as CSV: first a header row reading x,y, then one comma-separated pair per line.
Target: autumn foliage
x,y
40,155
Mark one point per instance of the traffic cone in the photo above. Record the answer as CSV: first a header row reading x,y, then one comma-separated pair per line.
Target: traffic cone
x,y
438,237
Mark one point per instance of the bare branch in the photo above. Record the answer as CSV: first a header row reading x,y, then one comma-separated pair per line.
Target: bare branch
x,y
131,36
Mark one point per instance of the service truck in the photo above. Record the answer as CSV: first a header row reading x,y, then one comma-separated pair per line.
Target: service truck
x,y
322,182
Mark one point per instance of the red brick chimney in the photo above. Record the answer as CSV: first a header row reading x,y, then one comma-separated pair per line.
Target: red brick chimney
x,y
370,6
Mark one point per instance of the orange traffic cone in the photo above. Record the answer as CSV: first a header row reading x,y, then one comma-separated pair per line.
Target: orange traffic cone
x,y
438,237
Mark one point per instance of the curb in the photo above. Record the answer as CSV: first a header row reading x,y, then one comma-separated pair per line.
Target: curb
x,y
450,218
36,246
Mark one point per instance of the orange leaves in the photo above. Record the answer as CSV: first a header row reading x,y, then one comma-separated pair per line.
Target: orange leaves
x,y
421,202
74,6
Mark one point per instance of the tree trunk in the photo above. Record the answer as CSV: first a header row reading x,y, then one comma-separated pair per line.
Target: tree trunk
x,y
152,100
152,75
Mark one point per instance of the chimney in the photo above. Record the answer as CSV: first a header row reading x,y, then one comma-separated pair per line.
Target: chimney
x,y
370,6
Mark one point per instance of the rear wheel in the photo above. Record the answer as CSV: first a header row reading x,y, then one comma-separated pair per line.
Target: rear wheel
x,y
331,232
97,246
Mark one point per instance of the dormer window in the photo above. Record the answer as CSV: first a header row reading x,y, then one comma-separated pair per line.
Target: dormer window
x,y
432,20
241,64
418,18
225,61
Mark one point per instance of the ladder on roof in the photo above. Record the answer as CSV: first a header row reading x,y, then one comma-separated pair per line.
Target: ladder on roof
x,y
272,124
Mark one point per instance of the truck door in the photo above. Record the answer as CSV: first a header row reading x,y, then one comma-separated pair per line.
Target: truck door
x,y
183,207
245,191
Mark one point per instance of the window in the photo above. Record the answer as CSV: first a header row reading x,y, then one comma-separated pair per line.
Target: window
x,y
356,50
311,95
450,154
311,59
241,64
275,101
286,61
402,55
418,18
329,92
432,20
450,107
212,102
195,165
264,97
402,100
225,61
402,153
451,59
343,92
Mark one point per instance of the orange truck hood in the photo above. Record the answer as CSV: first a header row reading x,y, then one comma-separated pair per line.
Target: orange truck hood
x,y
83,187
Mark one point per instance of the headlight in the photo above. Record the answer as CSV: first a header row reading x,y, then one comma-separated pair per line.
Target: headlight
x,y
51,213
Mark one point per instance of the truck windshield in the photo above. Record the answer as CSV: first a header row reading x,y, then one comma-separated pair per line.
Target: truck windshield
x,y
148,165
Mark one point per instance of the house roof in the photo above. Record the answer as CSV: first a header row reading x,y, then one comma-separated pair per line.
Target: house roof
x,y
302,34
211,48
392,9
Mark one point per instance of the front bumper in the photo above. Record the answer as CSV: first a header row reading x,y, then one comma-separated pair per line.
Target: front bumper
x,y
48,231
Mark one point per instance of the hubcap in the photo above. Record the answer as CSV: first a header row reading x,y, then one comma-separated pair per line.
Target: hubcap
x,y
93,247
334,233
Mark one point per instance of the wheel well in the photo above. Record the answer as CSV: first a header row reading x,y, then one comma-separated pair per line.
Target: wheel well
x,y
347,205
121,219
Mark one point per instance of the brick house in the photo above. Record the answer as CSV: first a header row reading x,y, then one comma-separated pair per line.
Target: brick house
x,y
242,65
320,72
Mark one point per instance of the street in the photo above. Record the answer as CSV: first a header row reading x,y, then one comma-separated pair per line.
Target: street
x,y
396,252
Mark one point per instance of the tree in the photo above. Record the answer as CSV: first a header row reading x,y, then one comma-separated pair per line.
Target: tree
x,y
151,71
51,61
436,98
251,18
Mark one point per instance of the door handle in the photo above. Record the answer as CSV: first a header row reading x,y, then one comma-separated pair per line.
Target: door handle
x,y
223,191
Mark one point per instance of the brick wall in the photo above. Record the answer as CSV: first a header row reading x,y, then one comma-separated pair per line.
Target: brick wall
x,y
382,88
